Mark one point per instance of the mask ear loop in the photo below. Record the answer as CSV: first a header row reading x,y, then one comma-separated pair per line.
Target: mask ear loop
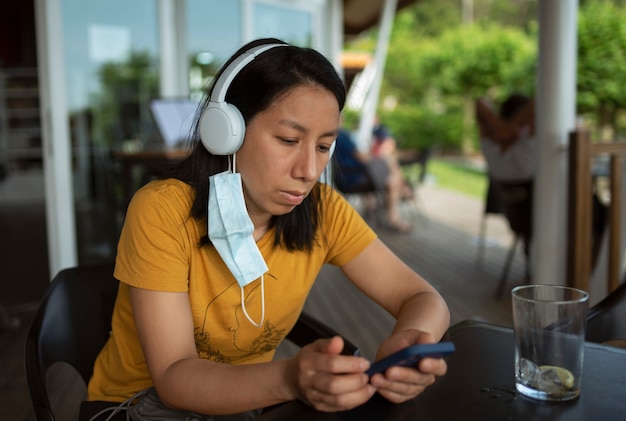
x,y
243,301
243,304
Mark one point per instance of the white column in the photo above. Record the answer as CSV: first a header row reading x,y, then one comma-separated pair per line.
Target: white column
x,y
247,21
369,108
172,49
59,194
333,25
182,51
555,113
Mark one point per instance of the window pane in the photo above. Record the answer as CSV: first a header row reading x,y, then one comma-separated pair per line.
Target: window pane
x,y
213,34
291,25
111,63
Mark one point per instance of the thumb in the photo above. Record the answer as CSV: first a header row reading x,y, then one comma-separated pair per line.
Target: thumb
x,y
332,346
335,346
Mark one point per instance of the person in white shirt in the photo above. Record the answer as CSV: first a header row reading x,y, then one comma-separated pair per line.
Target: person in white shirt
x,y
508,144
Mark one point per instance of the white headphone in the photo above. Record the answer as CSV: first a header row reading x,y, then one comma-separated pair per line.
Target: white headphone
x,y
222,127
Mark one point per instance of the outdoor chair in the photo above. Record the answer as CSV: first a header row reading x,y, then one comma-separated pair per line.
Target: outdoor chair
x,y
409,160
73,323
586,217
493,206
372,193
606,321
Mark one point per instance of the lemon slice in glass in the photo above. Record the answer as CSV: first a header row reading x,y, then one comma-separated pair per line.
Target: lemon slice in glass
x,y
566,378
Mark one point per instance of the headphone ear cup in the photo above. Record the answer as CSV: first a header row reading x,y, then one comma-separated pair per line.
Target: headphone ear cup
x,y
222,128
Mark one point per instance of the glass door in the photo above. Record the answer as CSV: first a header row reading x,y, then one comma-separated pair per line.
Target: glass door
x,y
111,64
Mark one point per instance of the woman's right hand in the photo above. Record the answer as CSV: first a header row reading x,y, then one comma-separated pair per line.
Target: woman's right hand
x,y
328,381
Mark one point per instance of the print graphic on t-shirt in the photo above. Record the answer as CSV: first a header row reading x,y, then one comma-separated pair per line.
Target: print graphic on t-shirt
x,y
236,334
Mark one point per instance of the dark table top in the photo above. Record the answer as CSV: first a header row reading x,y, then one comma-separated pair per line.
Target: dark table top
x,y
480,386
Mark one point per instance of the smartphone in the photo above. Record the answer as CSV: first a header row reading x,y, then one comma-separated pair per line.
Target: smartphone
x,y
409,356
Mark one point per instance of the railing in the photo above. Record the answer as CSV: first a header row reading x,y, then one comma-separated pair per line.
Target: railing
x,y
579,254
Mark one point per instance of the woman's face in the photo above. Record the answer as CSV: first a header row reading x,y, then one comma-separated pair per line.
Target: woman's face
x,y
285,150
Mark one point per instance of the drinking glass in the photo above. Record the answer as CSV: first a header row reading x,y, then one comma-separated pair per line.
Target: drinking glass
x,y
549,322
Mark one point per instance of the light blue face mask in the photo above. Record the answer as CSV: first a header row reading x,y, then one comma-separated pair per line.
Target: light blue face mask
x,y
231,230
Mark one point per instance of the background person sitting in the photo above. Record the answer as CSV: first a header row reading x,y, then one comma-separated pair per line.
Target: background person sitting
x,y
357,171
508,144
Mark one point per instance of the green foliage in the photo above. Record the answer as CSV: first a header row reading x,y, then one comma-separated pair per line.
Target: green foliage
x,y
519,14
602,60
420,128
429,19
120,107
350,118
436,63
476,58
470,60
432,78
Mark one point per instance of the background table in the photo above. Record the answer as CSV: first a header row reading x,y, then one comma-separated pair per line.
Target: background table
x,y
151,163
480,386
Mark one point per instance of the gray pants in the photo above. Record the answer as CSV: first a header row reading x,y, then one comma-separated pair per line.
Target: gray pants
x,y
148,407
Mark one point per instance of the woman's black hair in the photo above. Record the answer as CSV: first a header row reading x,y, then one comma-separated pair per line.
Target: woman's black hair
x,y
255,87
512,105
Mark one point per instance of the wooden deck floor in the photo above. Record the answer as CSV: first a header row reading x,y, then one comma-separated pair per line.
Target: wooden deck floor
x,y
443,248
447,258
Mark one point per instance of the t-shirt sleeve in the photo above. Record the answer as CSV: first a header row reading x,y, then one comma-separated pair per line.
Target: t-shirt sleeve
x,y
346,231
154,243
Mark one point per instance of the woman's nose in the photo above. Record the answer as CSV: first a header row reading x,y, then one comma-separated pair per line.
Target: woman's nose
x,y
307,165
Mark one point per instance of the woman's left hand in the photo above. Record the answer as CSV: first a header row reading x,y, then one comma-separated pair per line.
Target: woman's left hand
x,y
400,384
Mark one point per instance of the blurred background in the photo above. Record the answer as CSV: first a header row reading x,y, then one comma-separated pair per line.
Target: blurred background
x,y
77,78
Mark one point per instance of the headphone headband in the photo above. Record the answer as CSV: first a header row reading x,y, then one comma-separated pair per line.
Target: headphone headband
x,y
222,127
228,74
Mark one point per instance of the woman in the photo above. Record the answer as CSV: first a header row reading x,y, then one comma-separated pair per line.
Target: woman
x,y
190,322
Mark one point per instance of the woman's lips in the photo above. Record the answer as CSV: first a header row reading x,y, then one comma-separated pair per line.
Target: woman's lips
x,y
293,197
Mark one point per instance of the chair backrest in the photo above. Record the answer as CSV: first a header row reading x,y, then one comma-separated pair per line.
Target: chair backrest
x,y
607,320
378,171
71,325
579,252
374,174
493,204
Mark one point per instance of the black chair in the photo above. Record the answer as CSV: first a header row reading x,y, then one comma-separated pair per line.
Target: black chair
x,y
516,212
8,321
374,174
73,322
493,206
71,325
606,320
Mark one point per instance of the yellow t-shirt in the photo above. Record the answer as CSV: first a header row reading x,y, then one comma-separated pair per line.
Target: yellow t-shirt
x,y
158,250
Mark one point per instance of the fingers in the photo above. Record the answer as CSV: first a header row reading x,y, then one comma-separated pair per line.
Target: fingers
x,y
436,366
327,380
332,346
400,384
320,359
332,393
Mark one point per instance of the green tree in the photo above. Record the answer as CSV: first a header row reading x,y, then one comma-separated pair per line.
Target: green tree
x,y
602,64
121,110
436,65
434,80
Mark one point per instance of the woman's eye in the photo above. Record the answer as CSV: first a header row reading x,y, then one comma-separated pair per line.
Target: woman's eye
x,y
323,148
288,141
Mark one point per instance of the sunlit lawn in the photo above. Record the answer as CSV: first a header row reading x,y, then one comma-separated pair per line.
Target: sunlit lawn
x,y
456,176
